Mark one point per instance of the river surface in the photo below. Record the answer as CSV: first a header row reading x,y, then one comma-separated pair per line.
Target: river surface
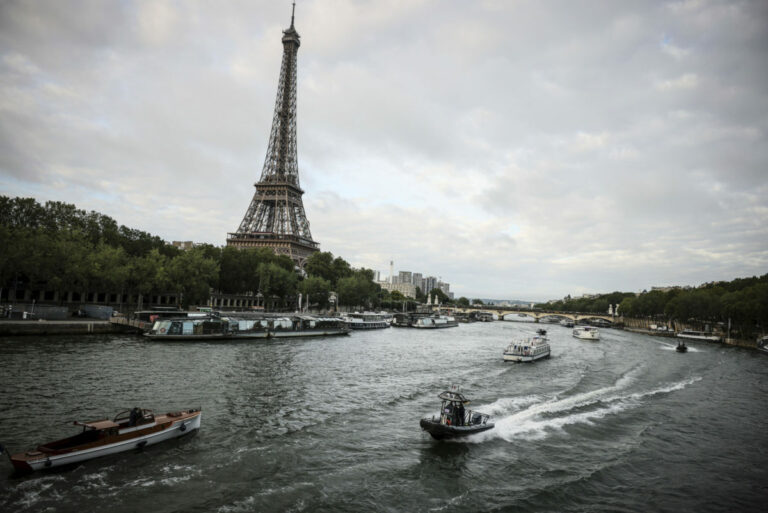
x,y
332,424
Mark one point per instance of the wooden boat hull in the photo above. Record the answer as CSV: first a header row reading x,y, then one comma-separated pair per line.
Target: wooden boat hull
x,y
185,423
441,431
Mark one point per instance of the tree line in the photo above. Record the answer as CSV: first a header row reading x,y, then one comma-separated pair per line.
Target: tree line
x,y
57,247
743,302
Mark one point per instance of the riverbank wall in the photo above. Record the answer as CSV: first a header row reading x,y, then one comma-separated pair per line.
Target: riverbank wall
x,y
42,327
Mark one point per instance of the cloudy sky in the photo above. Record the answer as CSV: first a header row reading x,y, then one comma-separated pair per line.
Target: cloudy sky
x,y
517,149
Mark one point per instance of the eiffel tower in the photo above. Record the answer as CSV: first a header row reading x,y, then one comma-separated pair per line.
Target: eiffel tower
x,y
275,217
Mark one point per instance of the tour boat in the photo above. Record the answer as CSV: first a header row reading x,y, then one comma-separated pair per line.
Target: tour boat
x,y
190,328
307,326
233,328
454,420
530,350
440,321
567,323
681,347
368,320
130,429
587,333
698,335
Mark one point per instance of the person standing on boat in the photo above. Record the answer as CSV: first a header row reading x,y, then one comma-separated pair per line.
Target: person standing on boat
x,y
460,413
135,416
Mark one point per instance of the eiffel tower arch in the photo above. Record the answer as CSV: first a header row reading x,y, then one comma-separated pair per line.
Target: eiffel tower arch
x,y
275,217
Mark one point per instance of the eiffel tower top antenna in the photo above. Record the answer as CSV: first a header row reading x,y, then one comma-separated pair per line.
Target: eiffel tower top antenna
x,y
292,13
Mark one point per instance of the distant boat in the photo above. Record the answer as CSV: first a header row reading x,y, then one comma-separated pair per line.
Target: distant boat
x,y
681,347
567,323
586,333
130,429
368,320
698,335
439,321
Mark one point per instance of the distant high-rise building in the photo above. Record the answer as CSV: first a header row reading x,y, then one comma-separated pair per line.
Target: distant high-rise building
x,y
416,279
404,277
430,282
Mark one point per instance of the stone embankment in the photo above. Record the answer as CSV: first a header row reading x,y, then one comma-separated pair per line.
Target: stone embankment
x,y
70,327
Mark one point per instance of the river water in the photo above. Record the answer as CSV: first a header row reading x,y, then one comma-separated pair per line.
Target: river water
x,y
332,424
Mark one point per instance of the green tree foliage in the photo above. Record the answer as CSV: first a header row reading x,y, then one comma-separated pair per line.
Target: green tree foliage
x,y
277,284
477,302
743,302
191,274
358,289
439,295
462,302
317,291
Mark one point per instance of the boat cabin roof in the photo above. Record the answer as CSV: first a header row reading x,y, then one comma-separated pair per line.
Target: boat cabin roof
x,y
97,425
454,397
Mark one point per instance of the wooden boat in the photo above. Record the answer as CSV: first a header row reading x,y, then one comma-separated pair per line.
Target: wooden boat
x,y
454,420
129,429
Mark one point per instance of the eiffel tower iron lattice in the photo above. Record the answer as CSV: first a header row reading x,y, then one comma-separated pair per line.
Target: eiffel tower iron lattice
x,y
276,218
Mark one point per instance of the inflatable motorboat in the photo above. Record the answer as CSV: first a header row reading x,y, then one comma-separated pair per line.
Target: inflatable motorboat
x,y
455,420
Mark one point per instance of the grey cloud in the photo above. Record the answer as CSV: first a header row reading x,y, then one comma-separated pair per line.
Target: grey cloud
x,y
513,148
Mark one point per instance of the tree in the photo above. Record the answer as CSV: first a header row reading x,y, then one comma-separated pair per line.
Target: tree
x,y
317,290
277,284
478,302
357,290
193,276
320,264
462,302
438,295
148,274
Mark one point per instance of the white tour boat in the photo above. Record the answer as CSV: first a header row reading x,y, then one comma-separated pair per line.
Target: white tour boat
x,y
586,333
698,335
368,320
530,350
439,321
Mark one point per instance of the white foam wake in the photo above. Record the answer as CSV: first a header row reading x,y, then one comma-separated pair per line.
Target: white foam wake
x,y
543,418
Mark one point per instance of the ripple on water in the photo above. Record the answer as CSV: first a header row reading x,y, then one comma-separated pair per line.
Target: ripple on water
x,y
332,424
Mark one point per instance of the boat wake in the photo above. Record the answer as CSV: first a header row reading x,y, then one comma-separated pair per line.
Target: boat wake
x,y
673,347
538,419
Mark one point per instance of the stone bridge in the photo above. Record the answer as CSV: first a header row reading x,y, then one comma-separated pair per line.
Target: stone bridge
x,y
535,314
